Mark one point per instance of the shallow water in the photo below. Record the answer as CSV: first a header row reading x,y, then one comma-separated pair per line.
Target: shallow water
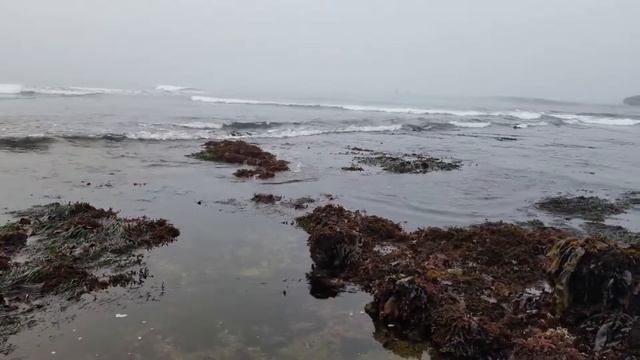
x,y
233,285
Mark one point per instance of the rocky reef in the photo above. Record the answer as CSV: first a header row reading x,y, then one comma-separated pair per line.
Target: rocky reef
x,y
265,165
399,163
591,208
68,250
487,291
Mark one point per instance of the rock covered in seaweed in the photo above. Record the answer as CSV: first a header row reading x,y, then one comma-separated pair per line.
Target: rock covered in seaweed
x,y
591,208
413,164
76,248
492,290
266,198
401,164
243,153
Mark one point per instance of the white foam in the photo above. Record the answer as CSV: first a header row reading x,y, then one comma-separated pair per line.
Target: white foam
x,y
168,135
526,125
106,91
273,133
285,133
595,120
524,115
77,91
414,111
200,125
363,108
176,89
10,88
467,124
232,101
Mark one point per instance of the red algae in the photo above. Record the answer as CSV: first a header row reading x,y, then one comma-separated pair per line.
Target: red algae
x,y
493,290
240,152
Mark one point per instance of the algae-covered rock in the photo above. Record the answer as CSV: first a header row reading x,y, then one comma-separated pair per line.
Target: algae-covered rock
x,y
414,164
613,232
75,249
488,291
266,198
352,167
590,208
597,287
240,152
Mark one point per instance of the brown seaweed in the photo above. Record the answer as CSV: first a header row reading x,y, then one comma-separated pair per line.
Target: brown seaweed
x,y
239,152
492,291
74,249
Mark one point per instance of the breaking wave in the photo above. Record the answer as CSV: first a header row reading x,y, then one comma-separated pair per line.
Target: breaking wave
x,y
200,125
596,120
201,134
470,124
19,89
177,89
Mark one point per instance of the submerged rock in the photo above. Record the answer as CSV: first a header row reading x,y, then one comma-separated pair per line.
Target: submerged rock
x,y
76,249
352,167
300,203
414,164
240,152
590,208
266,198
494,290
613,232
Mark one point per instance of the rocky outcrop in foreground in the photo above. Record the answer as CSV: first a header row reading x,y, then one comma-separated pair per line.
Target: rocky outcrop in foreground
x,y
488,291
59,252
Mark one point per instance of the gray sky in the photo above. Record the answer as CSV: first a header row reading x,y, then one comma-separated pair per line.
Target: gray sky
x,y
564,49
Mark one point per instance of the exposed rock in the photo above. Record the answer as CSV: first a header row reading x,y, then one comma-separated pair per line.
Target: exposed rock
x,y
78,249
352,167
240,152
414,164
489,291
613,232
266,198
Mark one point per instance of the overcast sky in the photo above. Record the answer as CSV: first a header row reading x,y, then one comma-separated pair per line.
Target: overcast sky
x,y
563,49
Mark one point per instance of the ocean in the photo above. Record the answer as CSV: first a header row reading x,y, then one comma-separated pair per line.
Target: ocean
x,y
234,285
